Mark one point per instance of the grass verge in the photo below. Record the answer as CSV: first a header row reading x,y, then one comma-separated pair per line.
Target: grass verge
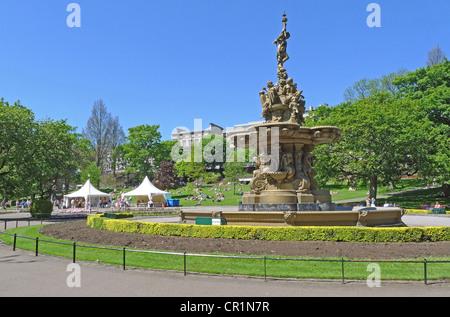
x,y
271,266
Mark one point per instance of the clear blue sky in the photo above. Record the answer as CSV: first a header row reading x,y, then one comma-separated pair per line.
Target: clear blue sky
x,y
170,62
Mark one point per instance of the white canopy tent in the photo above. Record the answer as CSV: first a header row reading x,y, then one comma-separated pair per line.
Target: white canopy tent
x,y
146,191
89,193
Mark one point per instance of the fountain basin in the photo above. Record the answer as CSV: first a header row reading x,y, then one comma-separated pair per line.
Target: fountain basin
x,y
357,216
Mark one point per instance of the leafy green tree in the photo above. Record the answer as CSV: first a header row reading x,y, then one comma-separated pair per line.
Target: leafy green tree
x,y
37,157
17,126
92,172
366,87
53,160
190,169
381,138
215,151
430,87
144,150
232,171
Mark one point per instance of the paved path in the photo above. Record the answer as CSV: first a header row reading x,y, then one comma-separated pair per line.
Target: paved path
x,y
24,274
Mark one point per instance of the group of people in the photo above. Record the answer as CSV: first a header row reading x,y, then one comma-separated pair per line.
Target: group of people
x,y
199,195
436,205
371,202
22,204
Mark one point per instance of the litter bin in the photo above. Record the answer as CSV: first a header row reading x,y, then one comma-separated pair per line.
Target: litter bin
x,y
215,221
173,202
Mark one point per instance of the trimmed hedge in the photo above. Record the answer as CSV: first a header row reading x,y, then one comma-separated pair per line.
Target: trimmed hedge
x,y
300,233
420,211
41,208
114,215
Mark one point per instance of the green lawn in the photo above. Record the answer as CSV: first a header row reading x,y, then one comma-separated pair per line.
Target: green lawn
x,y
406,200
272,266
208,192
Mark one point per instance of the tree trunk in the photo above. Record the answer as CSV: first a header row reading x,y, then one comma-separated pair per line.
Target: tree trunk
x,y
445,190
373,187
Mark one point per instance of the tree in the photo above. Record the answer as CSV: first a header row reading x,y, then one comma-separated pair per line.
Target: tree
x,y
37,157
366,88
166,177
233,170
435,56
430,87
142,146
104,132
92,172
216,150
117,138
381,139
189,163
54,143
17,126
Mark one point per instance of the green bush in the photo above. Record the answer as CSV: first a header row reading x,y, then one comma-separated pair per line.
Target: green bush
x,y
348,234
41,208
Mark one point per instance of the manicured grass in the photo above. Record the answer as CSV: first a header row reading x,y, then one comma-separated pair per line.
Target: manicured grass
x,y
230,199
413,200
405,200
272,266
343,192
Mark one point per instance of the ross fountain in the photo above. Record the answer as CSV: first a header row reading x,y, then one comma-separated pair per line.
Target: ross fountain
x,y
283,188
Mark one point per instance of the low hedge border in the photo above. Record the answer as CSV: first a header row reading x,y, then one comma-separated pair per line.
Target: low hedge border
x,y
345,234
420,211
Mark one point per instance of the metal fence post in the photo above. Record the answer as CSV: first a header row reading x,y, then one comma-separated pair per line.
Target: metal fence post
x,y
74,245
14,244
425,270
184,263
342,260
124,258
265,269
37,242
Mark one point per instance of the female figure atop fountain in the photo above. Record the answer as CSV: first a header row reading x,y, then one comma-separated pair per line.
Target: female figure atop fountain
x,y
281,42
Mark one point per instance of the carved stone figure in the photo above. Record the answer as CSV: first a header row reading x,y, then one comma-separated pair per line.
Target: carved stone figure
x,y
281,42
272,94
287,164
267,108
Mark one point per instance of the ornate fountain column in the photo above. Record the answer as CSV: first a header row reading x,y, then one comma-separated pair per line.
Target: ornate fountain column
x,y
284,177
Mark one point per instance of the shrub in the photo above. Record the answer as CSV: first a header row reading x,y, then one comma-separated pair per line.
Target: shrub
x,y
348,234
41,208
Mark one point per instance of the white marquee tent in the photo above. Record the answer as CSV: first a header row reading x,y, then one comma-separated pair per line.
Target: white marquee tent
x,y
89,193
146,191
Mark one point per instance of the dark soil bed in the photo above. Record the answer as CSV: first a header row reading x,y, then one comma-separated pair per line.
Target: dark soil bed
x,y
79,232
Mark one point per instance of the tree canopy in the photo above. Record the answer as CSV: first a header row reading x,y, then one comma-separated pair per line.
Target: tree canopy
x,y
386,134
37,157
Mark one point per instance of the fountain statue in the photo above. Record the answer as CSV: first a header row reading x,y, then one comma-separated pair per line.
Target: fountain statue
x,y
284,175
283,190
